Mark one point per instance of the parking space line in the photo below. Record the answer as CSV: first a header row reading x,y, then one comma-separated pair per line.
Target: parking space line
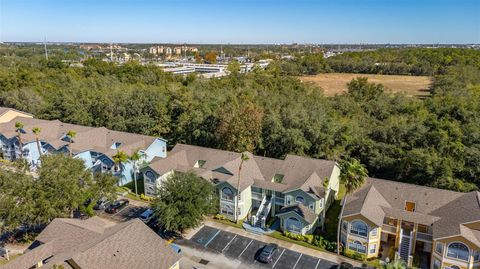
x,y
278,258
215,235
120,211
297,261
318,262
228,244
245,248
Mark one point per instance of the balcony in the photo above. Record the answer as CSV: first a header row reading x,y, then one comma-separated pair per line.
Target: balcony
x,y
279,201
257,196
424,237
389,229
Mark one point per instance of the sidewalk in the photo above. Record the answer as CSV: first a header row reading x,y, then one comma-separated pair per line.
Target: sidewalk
x,y
284,244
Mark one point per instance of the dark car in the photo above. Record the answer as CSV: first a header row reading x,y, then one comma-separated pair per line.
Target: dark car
x,y
345,265
267,253
101,204
117,206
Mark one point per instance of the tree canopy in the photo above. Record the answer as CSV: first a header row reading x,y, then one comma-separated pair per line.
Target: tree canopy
x,y
183,200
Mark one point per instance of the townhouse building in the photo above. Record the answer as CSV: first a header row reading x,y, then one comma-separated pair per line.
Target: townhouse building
x,y
296,190
386,218
95,146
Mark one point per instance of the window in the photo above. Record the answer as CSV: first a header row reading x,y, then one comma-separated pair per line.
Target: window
x,y
373,249
357,246
374,232
409,206
226,210
294,225
150,176
311,206
321,203
239,211
344,225
227,194
476,256
299,199
452,267
436,264
359,227
458,251
439,248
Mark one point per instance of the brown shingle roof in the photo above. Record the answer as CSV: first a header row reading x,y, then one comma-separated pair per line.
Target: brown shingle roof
x,y
298,172
88,244
301,210
445,210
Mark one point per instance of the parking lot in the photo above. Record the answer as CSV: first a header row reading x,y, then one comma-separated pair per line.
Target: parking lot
x,y
127,213
246,250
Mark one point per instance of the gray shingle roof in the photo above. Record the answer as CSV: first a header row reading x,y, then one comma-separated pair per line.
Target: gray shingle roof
x,y
303,211
88,244
88,138
445,210
298,172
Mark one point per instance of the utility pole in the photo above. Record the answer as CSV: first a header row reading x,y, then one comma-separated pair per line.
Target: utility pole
x,y
45,47
111,53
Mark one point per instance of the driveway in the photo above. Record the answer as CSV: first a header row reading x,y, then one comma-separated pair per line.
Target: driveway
x,y
127,213
245,250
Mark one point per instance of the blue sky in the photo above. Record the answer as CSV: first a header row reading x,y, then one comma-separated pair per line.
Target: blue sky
x,y
228,21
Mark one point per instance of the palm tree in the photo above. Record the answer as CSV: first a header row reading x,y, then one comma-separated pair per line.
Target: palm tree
x,y
19,129
71,135
36,131
352,174
244,158
119,158
134,158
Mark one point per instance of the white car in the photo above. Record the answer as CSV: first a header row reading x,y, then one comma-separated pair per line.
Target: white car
x,y
147,215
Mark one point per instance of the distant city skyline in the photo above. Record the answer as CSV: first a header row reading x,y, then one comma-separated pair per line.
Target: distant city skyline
x,y
242,22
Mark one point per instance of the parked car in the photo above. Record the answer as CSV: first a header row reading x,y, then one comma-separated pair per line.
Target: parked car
x,y
345,265
147,215
101,204
267,253
117,206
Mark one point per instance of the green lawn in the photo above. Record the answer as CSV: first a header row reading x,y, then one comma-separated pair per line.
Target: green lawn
x,y
230,223
331,219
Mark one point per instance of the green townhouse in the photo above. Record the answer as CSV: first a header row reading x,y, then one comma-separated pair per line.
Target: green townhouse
x,y
296,190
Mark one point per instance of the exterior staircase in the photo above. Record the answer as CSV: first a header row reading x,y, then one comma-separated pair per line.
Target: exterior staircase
x,y
259,220
405,249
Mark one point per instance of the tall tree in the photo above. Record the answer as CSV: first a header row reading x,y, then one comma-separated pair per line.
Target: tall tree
x,y
134,158
197,198
71,136
352,174
36,131
240,125
19,129
243,159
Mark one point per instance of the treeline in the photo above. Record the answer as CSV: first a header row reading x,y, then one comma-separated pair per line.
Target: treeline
x,y
434,142
411,61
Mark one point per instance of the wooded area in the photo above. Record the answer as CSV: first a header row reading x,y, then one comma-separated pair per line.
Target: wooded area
x,y
435,141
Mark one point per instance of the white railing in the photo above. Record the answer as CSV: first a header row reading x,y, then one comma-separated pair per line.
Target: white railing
x,y
257,195
389,228
424,236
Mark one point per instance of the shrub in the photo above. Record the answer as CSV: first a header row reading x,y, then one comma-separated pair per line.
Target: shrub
x,y
354,255
220,217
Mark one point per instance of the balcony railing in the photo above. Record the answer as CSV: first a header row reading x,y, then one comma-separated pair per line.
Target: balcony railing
x,y
279,201
389,228
424,237
257,196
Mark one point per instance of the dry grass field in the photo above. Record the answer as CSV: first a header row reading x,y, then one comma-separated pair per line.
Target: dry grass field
x,y
336,83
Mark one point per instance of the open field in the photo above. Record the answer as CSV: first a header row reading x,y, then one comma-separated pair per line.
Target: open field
x,y
336,83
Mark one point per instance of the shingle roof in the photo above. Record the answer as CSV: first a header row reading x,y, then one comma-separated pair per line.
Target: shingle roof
x,y
88,244
301,210
298,172
87,139
445,210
